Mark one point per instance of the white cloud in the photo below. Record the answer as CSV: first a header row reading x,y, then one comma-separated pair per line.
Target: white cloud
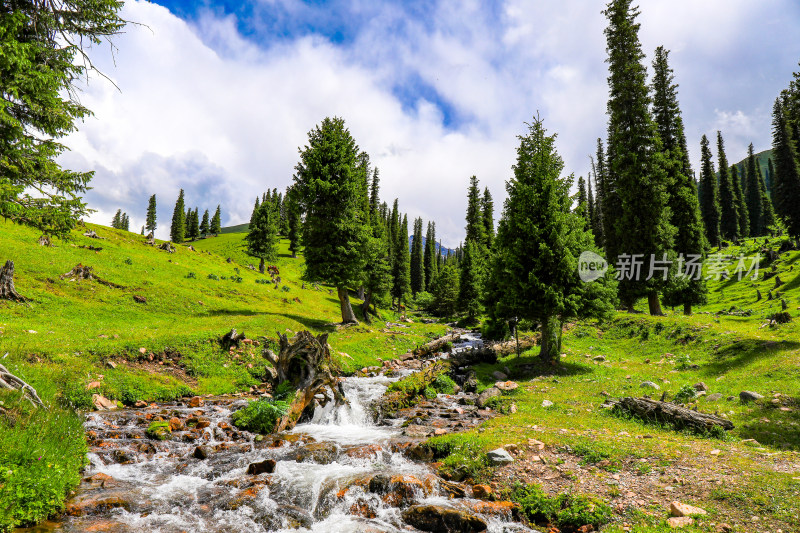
x,y
204,108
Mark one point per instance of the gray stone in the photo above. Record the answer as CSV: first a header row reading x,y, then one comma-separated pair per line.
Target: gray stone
x,y
700,386
499,376
499,457
714,397
649,385
486,395
201,452
262,467
598,358
749,396
547,403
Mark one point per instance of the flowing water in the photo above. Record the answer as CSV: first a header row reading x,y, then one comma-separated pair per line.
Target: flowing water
x,y
339,472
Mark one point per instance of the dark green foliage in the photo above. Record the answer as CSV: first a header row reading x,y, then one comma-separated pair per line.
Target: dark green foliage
x,y
446,290
293,221
193,227
429,262
709,195
255,209
444,384
216,222
582,201
469,281
262,235
487,208
260,415
417,269
683,204
539,240
567,511
42,56
205,226
159,430
767,211
753,195
475,222
150,223
602,203
741,204
787,172
177,230
635,167
401,285
378,269
729,216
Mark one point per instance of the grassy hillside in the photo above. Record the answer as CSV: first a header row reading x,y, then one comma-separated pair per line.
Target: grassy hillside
x,y
75,333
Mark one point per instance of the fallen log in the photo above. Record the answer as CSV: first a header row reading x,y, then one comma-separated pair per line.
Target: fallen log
x,y
670,413
474,357
305,362
436,345
11,382
508,347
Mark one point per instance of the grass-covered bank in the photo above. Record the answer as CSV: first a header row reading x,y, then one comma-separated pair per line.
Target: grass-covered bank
x,y
73,335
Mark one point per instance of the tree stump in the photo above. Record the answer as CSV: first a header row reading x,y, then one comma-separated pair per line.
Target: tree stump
x,y
91,234
151,239
7,290
85,272
167,247
305,362
758,295
675,415
232,339
12,382
778,281
44,240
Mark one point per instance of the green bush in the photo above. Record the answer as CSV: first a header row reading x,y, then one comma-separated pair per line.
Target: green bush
x,y
260,415
685,393
424,300
159,431
214,277
444,384
191,275
566,511
462,456
429,393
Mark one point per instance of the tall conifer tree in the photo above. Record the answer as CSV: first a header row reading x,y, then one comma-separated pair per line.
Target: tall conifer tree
x,y
417,260
205,224
755,207
262,235
787,171
178,228
487,207
741,204
216,222
709,194
150,220
475,223
469,282
729,216
430,256
402,259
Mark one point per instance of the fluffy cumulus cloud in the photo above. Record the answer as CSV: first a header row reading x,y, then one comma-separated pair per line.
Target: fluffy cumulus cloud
x,y
217,99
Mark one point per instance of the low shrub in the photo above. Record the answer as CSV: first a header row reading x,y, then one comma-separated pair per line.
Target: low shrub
x,y
568,512
444,384
687,392
260,415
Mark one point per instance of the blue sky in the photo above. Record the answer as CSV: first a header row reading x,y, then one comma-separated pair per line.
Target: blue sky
x,y
216,97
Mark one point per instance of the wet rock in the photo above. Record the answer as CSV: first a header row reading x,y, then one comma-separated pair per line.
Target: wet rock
x,y
499,456
98,502
262,467
749,396
101,480
140,404
417,431
159,431
506,510
124,457
202,452
368,451
101,403
440,519
318,452
485,396
296,516
175,424
196,401
481,492
453,490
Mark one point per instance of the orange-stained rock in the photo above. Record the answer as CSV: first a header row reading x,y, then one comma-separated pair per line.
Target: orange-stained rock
x,y
97,502
364,452
481,491
196,401
505,509
175,423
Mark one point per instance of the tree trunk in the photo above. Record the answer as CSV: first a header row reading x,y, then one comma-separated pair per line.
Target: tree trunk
x,y
654,304
7,291
687,309
261,265
294,254
365,307
361,292
665,412
348,317
305,362
551,339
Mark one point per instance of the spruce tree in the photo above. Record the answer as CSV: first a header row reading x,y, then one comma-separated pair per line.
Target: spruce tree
x,y
417,260
475,223
683,204
709,195
178,228
194,228
401,283
330,188
262,235
636,169
204,225
378,269
741,204
430,263
116,222
150,221
598,227
582,201
293,220
469,281
767,219
544,286
445,290
255,210
126,222
753,195
771,181
729,217
487,208
216,222
787,171
590,205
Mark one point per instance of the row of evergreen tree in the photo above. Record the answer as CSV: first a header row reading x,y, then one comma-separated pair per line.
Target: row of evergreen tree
x,y
186,225
121,221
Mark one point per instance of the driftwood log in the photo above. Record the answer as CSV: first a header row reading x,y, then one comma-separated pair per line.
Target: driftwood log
x,y
7,290
85,272
12,382
305,362
670,413
232,339
436,345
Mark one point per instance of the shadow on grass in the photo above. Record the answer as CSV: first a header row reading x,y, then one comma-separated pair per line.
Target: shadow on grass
x,y
316,324
744,352
528,366
772,427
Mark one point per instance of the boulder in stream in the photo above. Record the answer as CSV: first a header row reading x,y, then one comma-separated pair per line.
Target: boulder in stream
x,y
441,519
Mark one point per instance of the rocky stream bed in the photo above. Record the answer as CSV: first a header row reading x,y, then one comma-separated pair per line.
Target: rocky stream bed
x,y
345,470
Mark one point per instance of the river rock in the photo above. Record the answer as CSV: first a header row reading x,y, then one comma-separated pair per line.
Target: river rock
x,y
297,516
124,457
98,501
485,396
499,456
417,431
649,385
196,401
749,396
159,431
101,403
441,519
481,492
322,453
262,467
506,385
202,452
